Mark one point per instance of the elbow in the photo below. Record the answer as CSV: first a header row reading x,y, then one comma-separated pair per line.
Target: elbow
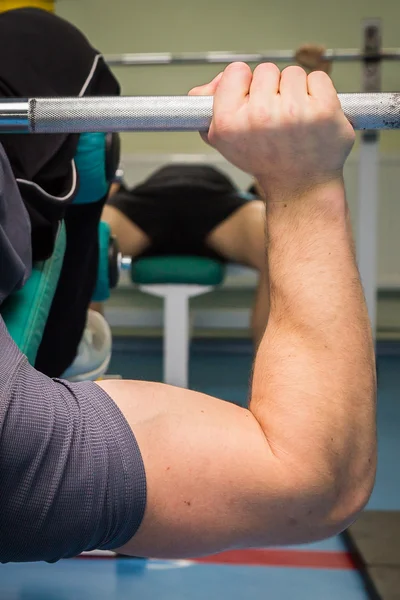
x,y
318,501
339,503
350,503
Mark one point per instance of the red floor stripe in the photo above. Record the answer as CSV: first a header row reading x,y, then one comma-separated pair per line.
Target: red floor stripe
x,y
284,558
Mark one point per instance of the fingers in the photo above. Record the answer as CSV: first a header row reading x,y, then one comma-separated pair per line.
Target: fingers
x,y
230,87
208,89
233,88
321,87
265,84
236,82
230,90
293,85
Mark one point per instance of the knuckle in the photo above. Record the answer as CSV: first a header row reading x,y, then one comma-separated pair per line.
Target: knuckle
x,y
320,77
292,71
327,112
259,116
237,68
324,112
293,112
267,67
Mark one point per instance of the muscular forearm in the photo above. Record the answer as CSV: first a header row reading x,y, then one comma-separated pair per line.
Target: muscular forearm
x,y
314,376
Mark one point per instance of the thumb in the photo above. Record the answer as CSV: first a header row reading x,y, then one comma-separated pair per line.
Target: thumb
x,y
207,90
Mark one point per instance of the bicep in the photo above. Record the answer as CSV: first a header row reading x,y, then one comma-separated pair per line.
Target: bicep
x,y
211,475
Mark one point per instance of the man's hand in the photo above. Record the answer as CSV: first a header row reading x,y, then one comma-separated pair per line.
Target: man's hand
x,y
287,129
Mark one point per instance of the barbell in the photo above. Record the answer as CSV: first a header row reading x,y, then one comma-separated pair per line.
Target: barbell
x,y
222,58
162,113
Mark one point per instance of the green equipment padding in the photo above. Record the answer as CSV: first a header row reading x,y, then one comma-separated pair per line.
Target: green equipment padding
x,y
90,160
178,270
102,291
25,313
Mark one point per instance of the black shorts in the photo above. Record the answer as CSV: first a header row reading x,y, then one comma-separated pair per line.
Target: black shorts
x,y
179,206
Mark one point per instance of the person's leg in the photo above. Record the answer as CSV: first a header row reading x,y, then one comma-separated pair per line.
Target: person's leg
x,y
241,239
132,240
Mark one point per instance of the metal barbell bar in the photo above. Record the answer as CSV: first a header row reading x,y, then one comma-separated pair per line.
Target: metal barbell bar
x,y
219,58
162,113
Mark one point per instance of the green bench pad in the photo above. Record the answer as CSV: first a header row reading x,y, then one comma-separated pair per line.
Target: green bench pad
x,y
178,270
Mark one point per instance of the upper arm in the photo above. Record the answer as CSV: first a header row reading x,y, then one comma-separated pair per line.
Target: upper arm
x,y
212,480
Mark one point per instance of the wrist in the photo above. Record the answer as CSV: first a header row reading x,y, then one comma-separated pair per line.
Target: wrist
x,y
328,193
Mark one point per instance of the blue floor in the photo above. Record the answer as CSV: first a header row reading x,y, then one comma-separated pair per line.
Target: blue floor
x,y
127,580
224,372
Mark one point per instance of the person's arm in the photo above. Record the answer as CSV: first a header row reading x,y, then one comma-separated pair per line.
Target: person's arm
x,y
299,464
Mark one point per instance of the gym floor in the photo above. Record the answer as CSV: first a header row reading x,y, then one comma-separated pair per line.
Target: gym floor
x,y
324,570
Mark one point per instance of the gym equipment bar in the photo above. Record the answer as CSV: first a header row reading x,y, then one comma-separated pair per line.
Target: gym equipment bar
x,y
219,58
366,225
162,113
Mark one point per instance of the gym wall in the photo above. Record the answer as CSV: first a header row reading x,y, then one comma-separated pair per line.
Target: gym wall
x,y
239,25
125,26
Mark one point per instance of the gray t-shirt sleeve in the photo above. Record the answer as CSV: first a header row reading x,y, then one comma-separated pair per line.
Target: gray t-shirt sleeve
x,y
15,233
72,477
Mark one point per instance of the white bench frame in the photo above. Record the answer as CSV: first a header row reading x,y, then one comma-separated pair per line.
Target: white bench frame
x,y
176,339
